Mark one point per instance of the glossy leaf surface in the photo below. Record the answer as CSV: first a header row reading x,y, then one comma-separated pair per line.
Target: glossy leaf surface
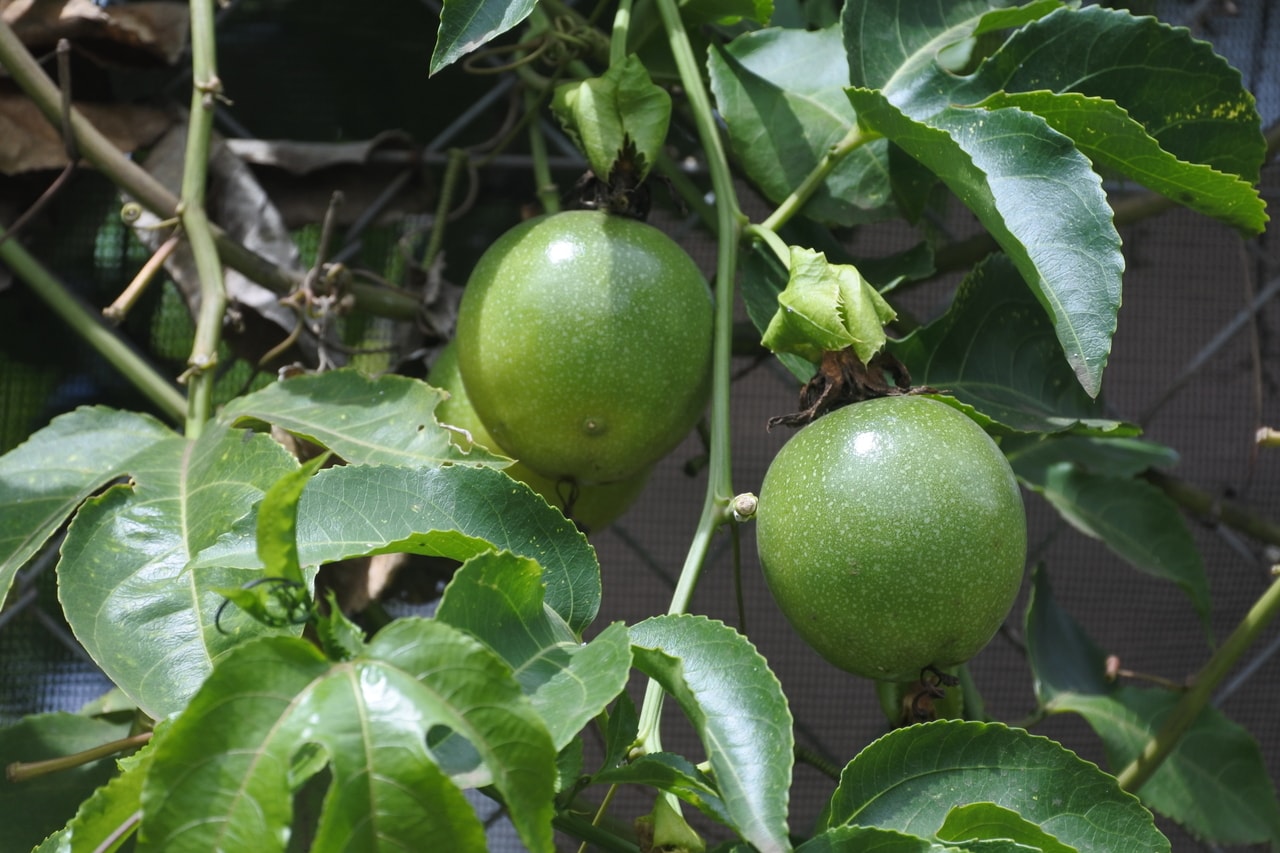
x,y
365,421
228,757
135,603
44,479
457,511
737,708
912,778
995,351
498,598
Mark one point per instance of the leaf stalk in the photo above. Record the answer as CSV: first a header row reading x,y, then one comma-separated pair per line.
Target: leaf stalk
x,y
792,204
1188,709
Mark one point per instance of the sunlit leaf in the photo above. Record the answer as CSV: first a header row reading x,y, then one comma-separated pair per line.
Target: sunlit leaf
x,y
45,478
467,25
781,93
386,420
498,598
1009,166
912,778
736,705
457,511
228,756
995,350
125,581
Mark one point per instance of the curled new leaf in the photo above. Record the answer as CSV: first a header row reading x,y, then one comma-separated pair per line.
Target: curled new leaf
x,y
618,115
826,308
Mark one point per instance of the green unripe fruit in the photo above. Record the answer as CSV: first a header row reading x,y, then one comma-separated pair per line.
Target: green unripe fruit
x,y
591,507
585,343
892,535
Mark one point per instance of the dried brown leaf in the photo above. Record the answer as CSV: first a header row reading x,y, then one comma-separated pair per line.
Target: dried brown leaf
x,y
28,142
154,29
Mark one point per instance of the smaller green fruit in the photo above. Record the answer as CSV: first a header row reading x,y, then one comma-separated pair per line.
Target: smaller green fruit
x,y
585,343
892,535
594,507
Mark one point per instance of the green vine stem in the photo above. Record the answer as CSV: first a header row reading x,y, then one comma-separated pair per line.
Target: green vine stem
x,y
454,167
93,330
1188,709
205,90
618,37
26,771
546,188
729,221
792,204
156,197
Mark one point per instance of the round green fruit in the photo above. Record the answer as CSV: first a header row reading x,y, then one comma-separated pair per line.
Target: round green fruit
x,y
592,508
585,343
892,535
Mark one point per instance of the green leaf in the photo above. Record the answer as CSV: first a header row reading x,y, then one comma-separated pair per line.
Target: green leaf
x,y
890,43
1009,166
44,479
281,596
467,25
1062,656
1133,518
871,839
696,12
366,421
227,757
1119,456
1116,142
781,94
996,351
497,598
340,638
1215,783
108,819
827,307
988,821
736,705
35,808
911,779
278,522
457,512
620,733
620,114
125,581
674,774
1186,97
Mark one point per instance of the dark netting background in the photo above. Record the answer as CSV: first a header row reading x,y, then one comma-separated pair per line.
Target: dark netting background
x,y
1196,362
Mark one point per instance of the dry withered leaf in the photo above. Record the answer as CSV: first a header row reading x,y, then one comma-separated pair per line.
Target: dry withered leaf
x,y
237,203
29,143
155,30
843,379
301,177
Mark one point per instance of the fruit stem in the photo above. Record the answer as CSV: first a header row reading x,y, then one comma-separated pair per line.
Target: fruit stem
x,y
1188,709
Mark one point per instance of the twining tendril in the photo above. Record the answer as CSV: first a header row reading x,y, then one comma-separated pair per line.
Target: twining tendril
x,y
293,604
